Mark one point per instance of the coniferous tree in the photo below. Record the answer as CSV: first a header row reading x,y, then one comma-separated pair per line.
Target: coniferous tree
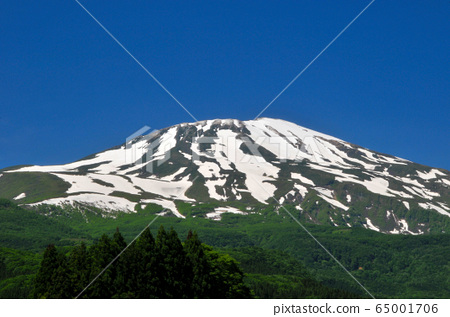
x,y
101,254
62,284
53,279
161,270
148,281
201,286
181,267
119,241
149,268
120,268
44,277
79,266
3,270
175,270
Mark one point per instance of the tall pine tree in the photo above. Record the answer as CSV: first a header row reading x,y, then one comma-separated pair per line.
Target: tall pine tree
x,y
201,284
53,278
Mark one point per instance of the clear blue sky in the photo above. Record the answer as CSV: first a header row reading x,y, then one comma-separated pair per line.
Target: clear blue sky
x,y
68,90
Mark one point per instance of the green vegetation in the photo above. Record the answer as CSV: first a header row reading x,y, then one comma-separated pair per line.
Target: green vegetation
x,y
17,271
275,274
149,268
278,257
37,186
28,230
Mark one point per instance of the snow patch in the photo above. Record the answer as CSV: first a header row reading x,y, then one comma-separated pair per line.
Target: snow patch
x,y
430,175
166,143
107,203
376,185
327,195
20,196
332,221
437,208
217,214
371,226
301,189
166,204
304,180
421,192
406,204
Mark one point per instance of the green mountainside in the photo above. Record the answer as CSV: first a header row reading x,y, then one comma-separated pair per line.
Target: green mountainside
x,y
280,259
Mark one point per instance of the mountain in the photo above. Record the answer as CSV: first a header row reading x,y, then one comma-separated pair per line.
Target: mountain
x,y
208,168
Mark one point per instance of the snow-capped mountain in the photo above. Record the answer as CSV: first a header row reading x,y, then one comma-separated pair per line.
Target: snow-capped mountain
x,y
242,167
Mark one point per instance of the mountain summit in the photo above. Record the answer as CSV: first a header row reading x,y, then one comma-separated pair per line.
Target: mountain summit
x,y
208,168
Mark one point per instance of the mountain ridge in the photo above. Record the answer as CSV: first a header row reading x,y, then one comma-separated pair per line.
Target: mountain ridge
x,y
238,166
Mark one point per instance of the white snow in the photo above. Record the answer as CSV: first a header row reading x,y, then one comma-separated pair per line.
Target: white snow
x,y
371,226
188,156
444,205
411,181
437,208
332,221
287,128
369,155
303,179
406,204
301,189
397,160
217,214
284,139
110,160
430,175
164,188
20,196
405,227
256,169
82,183
325,191
166,143
208,169
327,195
340,154
230,210
173,176
330,170
389,214
421,192
376,185
167,204
106,203
211,185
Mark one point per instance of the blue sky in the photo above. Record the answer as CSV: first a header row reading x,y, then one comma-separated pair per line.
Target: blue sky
x,y
68,90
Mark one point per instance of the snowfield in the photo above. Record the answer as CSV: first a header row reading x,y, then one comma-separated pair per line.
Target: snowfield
x,y
240,157
20,196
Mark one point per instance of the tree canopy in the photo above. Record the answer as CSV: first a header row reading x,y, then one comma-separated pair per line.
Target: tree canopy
x,y
149,268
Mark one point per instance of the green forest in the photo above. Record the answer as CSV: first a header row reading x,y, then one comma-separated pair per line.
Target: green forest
x,y
149,268
254,256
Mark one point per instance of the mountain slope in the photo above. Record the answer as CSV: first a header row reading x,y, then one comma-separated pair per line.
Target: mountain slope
x,y
215,166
